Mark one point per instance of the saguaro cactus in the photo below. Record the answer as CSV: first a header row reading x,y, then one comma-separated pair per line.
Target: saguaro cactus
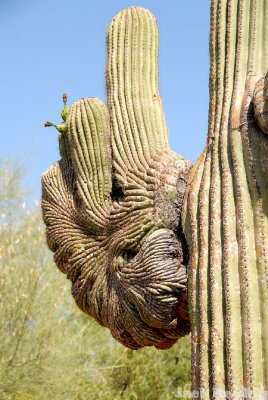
x,y
225,210
113,203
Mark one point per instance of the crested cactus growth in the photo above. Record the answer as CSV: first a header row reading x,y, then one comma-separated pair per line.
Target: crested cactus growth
x,y
112,204
225,210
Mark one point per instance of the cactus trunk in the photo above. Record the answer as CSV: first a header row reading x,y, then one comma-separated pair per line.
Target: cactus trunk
x,y
225,212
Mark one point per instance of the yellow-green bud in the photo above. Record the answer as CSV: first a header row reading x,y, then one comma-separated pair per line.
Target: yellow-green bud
x,y
61,128
64,112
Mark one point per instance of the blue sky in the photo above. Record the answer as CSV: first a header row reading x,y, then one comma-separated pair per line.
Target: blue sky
x,y
49,47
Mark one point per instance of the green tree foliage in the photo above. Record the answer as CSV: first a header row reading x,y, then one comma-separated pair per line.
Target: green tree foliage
x,y
48,348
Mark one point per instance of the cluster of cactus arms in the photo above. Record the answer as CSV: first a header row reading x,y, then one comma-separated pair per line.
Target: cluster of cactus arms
x,y
130,221
112,204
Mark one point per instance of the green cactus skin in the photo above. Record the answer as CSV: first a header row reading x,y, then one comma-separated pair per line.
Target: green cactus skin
x,y
226,207
64,112
112,204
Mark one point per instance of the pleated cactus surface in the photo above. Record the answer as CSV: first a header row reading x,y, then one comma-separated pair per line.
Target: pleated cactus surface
x,y
112,204
226,209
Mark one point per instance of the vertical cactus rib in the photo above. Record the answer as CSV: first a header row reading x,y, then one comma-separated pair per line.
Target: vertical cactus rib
x,y
230,249
216,360
189,216
235,220
202,276
263,55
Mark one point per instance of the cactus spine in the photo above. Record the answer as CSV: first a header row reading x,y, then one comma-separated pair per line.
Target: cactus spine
x,y
225,209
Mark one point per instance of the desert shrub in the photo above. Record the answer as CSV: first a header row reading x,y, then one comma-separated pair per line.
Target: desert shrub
x,y
48,348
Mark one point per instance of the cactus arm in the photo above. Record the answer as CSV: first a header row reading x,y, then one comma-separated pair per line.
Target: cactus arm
x,y
229,266
137,119
88,139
